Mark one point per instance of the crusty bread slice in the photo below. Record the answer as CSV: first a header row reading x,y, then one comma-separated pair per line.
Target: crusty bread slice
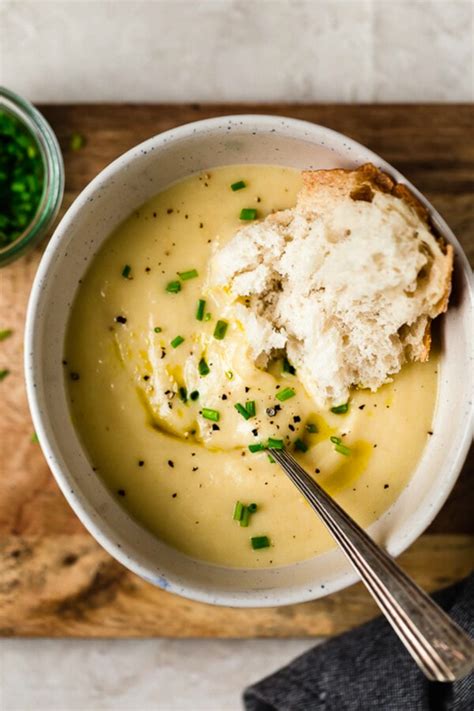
x,y
347,282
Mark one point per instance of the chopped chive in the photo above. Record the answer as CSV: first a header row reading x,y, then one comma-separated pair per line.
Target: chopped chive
x,y
173,287
200,309
339,447
4,373
244,521
340,409
242,411
252,508
259,447
183,394
177,341
191,274
248,213
238,185
270,459
220,330
288,368
77,141
203,367
238,511
300,445
209,414
310,427
157,329
251,408
6,333
229,374
126,271
194,395
260,542
285,394
207,317
275,443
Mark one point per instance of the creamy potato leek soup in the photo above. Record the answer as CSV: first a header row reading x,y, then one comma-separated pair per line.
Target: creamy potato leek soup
x,y
176,416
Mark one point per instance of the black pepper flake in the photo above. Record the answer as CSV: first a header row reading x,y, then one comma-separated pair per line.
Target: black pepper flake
x,y
146,377
215,427
174,495
74,376
121,319
154,214
186,217
201,225
147,269
170,463
163,353
385,486
224,397
361,407
64,362
291,427
259,199
195,469
430,432
247,389
121,492
169,210
193,454
141,462
296,418
375,446
255,432
317,471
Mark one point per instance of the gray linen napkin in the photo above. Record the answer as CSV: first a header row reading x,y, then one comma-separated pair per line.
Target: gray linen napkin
x,y
368,669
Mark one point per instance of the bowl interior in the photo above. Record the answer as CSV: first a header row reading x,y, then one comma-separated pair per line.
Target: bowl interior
x,y
123,186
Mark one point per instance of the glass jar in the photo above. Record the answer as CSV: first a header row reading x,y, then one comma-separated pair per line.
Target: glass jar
x,y
53,174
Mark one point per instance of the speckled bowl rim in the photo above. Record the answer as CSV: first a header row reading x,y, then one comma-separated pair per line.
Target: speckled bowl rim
x,y
399,540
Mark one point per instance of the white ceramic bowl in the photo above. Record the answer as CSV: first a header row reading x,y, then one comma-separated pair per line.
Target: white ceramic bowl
x,y
124,185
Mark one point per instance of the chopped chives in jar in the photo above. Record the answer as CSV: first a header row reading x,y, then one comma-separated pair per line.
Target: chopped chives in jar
x,y
209,414
126,271
285,394
300,445
239,185
275,443
21,178
177,341
340,409
248,213
220,330
191,274
173,287
260,542
339,447
203,367
200,309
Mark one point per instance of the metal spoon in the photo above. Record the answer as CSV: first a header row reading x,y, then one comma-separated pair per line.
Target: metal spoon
x,y
442,650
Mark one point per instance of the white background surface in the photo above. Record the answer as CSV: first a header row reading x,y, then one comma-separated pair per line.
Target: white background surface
x,y
209,50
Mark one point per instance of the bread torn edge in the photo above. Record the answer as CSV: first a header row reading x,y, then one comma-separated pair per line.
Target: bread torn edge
x,y
364,182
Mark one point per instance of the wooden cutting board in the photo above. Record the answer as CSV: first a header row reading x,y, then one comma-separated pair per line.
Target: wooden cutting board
x,y
54,579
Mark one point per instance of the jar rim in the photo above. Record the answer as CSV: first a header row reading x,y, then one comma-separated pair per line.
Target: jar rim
x,y
53,166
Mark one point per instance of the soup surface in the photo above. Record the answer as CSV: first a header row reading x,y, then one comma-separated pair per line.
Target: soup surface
x,y
154,377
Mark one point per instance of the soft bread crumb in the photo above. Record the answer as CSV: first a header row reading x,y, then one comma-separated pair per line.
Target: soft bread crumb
x,y
347,282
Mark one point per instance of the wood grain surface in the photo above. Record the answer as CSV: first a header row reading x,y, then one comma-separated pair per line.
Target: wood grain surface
x,y
55,580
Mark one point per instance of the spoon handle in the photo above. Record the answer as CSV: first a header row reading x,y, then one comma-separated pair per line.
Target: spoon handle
x,y
442,650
